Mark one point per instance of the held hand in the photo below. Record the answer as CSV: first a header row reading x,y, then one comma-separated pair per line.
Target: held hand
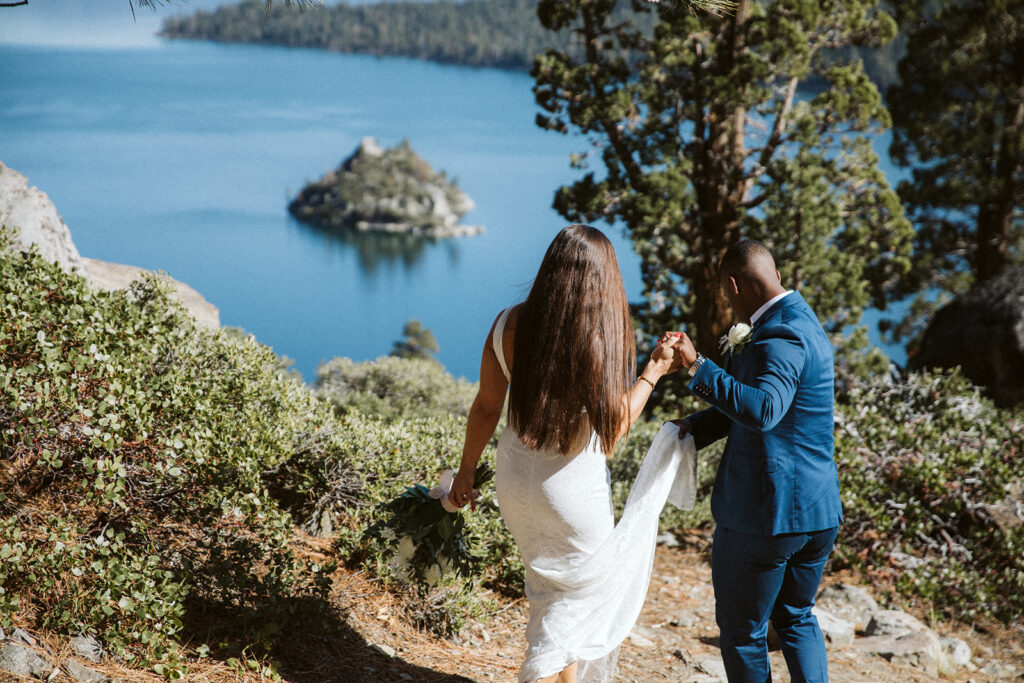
x,y
686,350
684,427
665,357
462,488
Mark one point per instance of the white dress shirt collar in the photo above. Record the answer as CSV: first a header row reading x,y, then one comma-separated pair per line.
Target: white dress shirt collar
x,y
768,304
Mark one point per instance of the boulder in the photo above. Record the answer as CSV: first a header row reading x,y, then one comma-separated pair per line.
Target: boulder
x,y
110,276
33,217
893,623
852,603
921,650
838,632
982,331
957,651
87,647
21,661
35,221
82,673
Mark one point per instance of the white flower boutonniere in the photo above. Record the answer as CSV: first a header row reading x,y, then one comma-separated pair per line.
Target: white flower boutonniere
x,y
739,335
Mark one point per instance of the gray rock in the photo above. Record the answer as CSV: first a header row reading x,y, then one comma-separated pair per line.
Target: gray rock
x,y
893,623
22,636
31,213
920,650
982,331
957,651
684,618
640,637
21,661
3,636
838,632
110,276
384,649
1001,672
851,603
80,672
35,219
712,666
667,539
87,647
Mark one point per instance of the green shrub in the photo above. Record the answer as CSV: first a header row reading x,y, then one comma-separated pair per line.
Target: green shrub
x,y
393,388
135,447
925,462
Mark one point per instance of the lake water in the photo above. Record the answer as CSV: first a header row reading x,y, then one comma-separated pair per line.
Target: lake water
x,y
182,156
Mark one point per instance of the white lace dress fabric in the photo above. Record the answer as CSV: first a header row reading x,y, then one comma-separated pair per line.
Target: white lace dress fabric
x,y
586,577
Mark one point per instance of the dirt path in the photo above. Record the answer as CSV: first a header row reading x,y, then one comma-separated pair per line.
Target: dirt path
x,y
675,640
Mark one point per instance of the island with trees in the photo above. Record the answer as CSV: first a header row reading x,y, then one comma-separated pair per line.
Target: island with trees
x,y
382,190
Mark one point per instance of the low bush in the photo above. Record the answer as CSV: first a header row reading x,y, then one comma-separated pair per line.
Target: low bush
x,y
392,388
135,446
932,477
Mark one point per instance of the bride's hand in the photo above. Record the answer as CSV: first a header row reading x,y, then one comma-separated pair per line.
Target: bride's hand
x,y
462,488
666,356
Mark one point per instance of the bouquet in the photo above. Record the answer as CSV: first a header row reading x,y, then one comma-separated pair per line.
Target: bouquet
x,y
427,532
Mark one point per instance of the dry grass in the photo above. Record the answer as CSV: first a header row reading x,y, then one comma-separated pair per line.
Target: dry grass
x,y
369,625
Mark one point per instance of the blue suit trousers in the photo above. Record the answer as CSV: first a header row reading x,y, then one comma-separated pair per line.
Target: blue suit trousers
x,y
777,577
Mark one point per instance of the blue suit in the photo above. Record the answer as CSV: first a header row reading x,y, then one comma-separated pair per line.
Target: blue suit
x,y
776,495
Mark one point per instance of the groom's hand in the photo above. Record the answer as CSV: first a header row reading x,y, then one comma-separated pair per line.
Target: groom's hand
x,y
684,347
684,427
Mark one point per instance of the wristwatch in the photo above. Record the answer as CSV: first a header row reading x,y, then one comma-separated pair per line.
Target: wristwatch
x,y
696,365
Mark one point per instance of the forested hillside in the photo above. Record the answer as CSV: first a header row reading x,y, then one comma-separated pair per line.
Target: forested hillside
x,y
504,34
496,33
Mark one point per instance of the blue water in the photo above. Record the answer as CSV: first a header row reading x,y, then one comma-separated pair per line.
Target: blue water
x,y
181,157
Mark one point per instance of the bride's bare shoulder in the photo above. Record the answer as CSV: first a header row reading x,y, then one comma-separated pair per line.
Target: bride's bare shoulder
x,y
513,316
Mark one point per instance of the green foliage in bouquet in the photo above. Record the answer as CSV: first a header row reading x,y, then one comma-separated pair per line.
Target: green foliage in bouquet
x,y
429,541
389,455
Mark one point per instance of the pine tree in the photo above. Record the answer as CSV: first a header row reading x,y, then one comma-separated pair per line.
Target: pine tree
x,y
710,128
958,123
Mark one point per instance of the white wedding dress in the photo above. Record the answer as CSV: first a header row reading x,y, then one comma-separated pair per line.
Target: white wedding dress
x,y
586,577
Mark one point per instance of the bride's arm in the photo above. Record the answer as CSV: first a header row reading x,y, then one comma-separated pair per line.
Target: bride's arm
x,y
663,361
483,419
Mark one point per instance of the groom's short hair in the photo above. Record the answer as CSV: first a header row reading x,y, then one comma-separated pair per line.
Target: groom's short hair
x,y
744,259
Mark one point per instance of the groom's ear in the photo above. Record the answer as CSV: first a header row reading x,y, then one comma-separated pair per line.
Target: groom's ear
x,y
733,286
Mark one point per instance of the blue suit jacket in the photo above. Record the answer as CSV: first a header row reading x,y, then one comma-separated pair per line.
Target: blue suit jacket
x,y
774,400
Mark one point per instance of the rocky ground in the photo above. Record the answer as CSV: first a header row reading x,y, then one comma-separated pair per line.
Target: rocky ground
x,y
675,640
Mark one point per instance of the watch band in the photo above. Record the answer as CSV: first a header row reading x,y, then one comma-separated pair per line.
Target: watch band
x,y
696,365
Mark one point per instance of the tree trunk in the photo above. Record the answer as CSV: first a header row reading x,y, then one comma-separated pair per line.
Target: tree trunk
x,y
720,191
712,312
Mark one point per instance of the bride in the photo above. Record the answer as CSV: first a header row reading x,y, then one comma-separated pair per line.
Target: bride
x,y
568,353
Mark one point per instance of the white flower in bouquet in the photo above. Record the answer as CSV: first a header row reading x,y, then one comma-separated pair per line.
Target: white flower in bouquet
x,y
738,337
406,548
432,575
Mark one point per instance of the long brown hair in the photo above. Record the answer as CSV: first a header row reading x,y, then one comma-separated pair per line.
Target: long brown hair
x,y
574,349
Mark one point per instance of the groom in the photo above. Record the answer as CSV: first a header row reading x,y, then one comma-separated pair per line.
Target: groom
x,y
776,496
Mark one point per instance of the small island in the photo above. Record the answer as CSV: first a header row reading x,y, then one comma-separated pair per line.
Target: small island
x,y
388,191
